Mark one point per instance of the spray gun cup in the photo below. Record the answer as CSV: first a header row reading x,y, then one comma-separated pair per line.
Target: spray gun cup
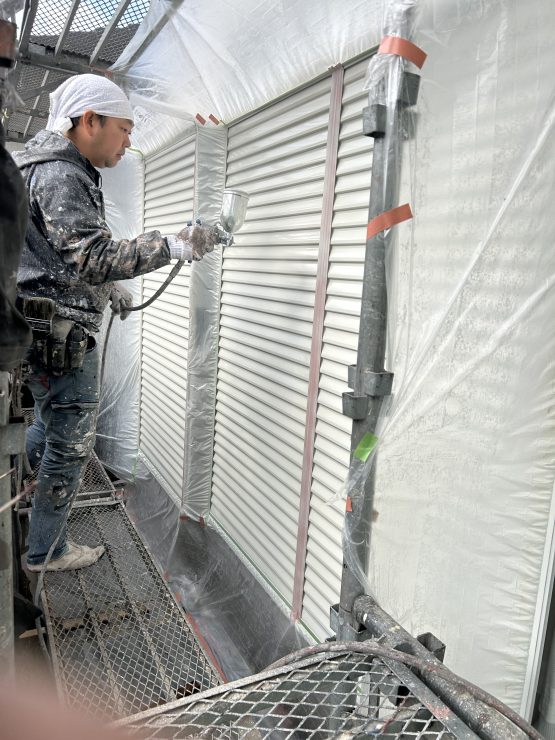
x,y
234,210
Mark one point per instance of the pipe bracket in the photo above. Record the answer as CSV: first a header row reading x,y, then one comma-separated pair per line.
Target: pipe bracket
x,y
374,384
355,407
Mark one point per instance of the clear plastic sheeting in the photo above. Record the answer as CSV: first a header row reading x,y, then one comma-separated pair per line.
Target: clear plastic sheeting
x,y
154,514
231,610
465,460
228,60
464,465
204,324
117,438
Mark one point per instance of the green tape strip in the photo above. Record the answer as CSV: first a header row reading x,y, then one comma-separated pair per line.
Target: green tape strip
x,y
365,446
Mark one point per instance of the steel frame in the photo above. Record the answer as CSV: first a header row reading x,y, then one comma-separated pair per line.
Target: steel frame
x,y
40,57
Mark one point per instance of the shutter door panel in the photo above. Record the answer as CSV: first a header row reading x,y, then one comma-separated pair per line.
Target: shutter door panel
x,y
341,324
169,184
268,283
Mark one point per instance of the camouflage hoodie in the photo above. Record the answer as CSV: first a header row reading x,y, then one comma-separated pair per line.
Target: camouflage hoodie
x,y
69,253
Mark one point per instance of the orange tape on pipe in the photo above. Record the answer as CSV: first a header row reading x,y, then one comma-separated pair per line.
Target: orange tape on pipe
x,y
403,48
388,219
200,119
349,504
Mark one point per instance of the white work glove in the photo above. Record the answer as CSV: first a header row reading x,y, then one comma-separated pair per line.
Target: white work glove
x,y
193,242
121,300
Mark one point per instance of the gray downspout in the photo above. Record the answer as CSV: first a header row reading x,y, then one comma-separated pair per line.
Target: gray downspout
x,y
385,120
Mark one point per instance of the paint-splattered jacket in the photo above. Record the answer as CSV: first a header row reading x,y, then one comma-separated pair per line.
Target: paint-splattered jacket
x,y
69,254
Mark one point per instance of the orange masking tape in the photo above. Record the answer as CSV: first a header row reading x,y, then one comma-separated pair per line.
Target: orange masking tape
x,y
200,119
403,48
388,219
349,504
213,119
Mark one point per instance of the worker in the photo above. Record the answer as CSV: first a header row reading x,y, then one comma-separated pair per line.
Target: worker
x,y
71,262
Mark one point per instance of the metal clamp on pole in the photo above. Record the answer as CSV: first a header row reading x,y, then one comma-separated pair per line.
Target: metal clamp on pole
x,y
355,407
374,118
374,384
354,634
410,87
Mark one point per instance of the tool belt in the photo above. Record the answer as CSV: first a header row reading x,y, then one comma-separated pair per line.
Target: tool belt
x,y
59,344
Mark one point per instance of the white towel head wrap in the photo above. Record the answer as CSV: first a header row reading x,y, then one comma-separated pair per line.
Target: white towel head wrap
x,y
86,92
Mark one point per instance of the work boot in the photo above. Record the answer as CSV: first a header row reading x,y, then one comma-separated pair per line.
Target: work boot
x,y
77,556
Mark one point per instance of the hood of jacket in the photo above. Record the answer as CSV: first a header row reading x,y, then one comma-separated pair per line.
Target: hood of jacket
x,y
47,146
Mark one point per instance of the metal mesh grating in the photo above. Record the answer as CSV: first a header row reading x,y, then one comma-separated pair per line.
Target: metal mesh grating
x,y
81,43
81,26
18,123
52,19
117,41
119,641
134,13
31,80
32,77
37,124
344,696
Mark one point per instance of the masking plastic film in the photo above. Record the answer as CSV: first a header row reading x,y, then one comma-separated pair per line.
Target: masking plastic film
x,y
466,450
465,455
117,436
236,57
227,604
118,427
204,323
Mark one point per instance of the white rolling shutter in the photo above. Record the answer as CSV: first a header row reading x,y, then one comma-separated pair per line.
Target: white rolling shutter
x,y
268,283
341,324
169,188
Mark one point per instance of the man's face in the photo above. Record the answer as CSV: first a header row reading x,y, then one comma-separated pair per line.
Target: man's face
x,y
109,141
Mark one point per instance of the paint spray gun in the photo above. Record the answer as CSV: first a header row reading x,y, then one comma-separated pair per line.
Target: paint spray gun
x,y
232,217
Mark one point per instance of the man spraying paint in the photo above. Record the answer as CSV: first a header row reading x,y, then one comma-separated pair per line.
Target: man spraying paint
x,y
68,272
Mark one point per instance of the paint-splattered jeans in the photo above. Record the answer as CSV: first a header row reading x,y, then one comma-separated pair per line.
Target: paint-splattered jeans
x,y
61,440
